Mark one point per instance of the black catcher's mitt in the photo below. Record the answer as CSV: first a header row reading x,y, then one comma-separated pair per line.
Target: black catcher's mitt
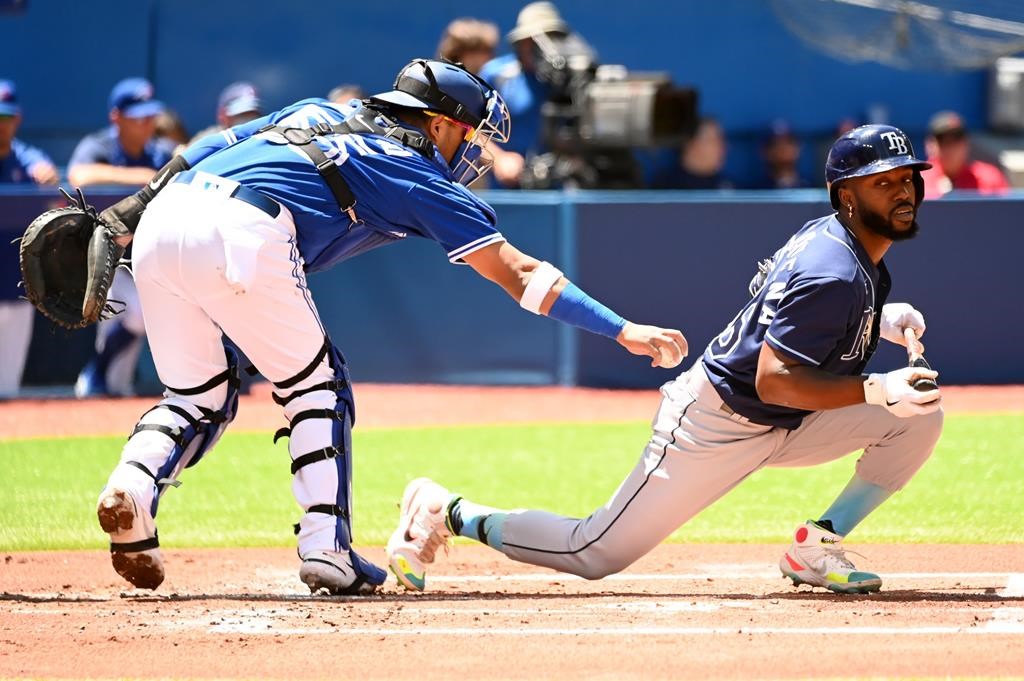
x,y
68,259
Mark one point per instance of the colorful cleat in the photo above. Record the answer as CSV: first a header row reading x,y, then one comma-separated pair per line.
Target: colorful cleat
x,y
422,529
817,557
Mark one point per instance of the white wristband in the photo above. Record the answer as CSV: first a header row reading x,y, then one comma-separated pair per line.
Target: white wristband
x,y
541,281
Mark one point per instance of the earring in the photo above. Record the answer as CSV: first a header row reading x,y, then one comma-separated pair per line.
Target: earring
x,y
849,208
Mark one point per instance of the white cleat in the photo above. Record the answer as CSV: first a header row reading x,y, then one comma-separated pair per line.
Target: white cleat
x,y
422,529
333,572
134,547
817,557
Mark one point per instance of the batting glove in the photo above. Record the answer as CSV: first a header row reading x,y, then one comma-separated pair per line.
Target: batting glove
x,y
895,392
899,316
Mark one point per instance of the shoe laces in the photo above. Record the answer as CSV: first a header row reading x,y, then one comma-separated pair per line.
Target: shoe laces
x,y
428,535
839,556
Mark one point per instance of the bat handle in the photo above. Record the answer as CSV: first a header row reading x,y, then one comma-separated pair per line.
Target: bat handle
x,y
916,359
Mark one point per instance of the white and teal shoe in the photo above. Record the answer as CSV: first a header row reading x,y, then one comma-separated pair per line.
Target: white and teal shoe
x,y
816,557
422,530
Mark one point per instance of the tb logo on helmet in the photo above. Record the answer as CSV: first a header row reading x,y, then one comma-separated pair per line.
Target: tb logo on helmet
x,y
896,142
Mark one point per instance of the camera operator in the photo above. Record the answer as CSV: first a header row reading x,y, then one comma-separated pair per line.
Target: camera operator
x,y
515,77
578,122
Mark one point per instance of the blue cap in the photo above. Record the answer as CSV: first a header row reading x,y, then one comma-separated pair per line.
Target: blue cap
x,y
239,98
133,98
8,99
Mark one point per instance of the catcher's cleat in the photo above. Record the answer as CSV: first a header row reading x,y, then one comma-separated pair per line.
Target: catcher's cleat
x,y
816,557
422,529
340,573
134,547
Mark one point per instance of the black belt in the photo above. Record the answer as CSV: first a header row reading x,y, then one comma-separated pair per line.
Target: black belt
x,y
250,196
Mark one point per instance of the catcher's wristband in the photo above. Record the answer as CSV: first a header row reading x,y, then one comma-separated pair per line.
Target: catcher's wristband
x,y
162,178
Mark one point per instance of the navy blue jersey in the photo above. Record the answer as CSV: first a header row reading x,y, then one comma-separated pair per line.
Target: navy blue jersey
x,y
399,192
15,166
818,306
104,147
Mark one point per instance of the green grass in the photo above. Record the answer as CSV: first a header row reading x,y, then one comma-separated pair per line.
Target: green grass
x,y
240,495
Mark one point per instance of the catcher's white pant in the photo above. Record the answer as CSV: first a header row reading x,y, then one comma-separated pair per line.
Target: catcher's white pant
x,y
698,451
207,264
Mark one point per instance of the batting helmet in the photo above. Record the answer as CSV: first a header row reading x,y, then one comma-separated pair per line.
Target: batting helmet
x,y
868,150
447,88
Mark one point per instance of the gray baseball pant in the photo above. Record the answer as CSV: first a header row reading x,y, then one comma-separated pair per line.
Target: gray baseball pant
x,y
699,450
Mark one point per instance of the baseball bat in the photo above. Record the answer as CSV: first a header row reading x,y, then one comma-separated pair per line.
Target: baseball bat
x,y
916,359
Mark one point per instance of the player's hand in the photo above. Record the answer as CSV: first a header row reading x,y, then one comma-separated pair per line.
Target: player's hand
x,y
43,173
899,316
666,347
122,218
508,167
895,392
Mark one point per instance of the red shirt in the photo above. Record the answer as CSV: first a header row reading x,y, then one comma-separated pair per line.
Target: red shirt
x,y
979,176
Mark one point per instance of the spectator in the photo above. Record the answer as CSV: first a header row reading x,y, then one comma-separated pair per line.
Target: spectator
x,y
514,77
345,93
781,154
169,126
700,163
470,42
238,103
949,152
126,152
19,162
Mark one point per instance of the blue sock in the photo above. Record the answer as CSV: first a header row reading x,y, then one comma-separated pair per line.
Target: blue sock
x,y
475,521
853,504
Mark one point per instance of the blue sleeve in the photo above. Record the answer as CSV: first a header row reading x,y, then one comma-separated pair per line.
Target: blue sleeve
x,y
89,150
813,318
28,156
456,219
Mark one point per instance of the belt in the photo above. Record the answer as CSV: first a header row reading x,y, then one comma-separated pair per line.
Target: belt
x,y
244,194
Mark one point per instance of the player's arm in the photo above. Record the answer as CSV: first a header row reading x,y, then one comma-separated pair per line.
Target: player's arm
x,y
82,174
790,383
787,382
542,289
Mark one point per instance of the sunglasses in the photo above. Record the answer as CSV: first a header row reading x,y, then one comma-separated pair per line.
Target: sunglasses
x,y
469,129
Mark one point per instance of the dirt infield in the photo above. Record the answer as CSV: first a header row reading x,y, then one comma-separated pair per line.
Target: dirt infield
x,y
697,611
388,406
683,612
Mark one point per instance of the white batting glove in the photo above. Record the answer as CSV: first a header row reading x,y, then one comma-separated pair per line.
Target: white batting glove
x,y
895,392
899,316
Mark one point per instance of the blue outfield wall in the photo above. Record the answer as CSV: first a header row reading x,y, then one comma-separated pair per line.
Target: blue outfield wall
x,y
404,314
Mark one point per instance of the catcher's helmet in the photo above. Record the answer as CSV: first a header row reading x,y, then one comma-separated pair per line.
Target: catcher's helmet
x,y
868,150
447,88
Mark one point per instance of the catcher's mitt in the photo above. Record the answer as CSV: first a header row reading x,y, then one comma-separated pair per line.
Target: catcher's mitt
x,y
68,259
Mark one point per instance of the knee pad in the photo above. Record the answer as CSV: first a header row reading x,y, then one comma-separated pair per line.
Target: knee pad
x,y
321,410
196,428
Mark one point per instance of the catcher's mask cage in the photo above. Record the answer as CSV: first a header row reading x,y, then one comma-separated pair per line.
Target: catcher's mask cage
x,y
450,90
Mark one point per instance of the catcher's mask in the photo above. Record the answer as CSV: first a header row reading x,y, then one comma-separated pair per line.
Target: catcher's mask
x,y
447,89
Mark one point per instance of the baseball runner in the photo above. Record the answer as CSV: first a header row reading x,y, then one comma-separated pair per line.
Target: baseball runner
x,y
781,385
230,229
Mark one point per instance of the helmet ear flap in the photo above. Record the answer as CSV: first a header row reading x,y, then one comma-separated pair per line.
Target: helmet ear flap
x,y
918,188
833,194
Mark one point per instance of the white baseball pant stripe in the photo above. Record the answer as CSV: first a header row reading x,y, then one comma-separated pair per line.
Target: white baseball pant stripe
x,y
699,451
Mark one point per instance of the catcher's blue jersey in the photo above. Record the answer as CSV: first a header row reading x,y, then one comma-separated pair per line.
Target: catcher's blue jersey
x,y
818,307
399,192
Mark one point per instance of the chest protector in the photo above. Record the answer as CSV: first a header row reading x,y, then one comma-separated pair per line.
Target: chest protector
x,y
363,122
